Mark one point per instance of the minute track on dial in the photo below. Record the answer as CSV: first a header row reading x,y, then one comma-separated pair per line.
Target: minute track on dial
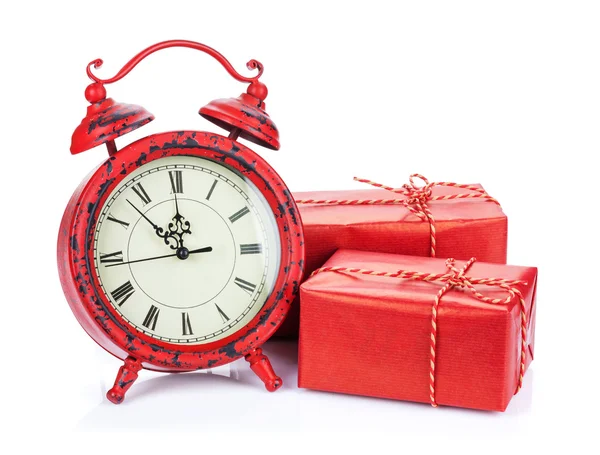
x,y
233,220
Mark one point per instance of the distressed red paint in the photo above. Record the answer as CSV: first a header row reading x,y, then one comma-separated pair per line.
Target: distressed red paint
x,y
247,114
106,326
106,120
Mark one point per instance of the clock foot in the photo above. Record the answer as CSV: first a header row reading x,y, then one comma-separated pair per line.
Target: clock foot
x,y
261,366
127,375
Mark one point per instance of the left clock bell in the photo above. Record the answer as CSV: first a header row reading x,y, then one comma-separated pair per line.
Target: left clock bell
x,y
183,250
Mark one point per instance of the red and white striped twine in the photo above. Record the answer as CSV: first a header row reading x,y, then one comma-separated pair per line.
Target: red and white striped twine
x,y
455,277
416,199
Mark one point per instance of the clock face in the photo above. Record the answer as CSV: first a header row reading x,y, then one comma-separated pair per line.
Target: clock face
x,y
186,250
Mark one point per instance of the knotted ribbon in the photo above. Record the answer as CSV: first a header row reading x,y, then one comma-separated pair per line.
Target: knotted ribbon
x,y
416,199
454,277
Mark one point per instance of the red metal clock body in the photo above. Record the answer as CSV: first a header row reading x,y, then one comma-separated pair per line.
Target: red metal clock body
x,y
102,310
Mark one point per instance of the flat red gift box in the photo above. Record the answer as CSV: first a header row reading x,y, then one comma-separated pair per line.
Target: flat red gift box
x,y
465,228
372,335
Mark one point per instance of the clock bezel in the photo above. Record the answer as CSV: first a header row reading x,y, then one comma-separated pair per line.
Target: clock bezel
x,y
104,324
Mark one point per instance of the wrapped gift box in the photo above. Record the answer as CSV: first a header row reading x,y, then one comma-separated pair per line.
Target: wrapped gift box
x,y
372,335
465,228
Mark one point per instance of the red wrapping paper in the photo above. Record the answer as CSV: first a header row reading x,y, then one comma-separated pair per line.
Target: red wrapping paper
x,y
369,335
465,228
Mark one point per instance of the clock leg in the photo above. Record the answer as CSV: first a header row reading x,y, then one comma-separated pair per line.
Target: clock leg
x,y
127,375
261,366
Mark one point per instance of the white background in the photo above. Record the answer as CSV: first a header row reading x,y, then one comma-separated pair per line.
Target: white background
x,y
502,93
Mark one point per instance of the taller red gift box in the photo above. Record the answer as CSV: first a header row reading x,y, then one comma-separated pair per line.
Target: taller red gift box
x,y
464,222
456,333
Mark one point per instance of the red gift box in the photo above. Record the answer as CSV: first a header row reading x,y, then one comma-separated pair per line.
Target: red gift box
x,y
384,336
465,227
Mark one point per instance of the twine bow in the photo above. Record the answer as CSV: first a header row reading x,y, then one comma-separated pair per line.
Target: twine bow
x,y
416,199
454,277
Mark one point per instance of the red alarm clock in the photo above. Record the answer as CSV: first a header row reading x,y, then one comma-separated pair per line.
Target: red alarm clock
x,y
183,250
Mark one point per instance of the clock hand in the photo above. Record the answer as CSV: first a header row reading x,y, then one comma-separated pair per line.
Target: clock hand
x,y
182,253
206,249
142,260
178,227
159,231
176,205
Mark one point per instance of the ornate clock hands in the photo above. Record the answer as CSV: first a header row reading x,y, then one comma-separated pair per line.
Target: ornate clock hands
x,y
182,253
177,228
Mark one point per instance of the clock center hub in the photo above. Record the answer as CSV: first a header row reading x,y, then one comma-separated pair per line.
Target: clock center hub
x,y
183,253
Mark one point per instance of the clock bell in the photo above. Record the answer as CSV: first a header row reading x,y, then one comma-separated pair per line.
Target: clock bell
x,y
107,119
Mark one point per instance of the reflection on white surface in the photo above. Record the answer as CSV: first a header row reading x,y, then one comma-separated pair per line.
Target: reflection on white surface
x,y
207,398
232,395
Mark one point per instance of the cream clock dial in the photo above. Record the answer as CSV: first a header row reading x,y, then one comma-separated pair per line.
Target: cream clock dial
x,y
186,250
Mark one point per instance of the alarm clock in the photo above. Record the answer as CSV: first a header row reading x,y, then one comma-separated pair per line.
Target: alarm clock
x,y
183,250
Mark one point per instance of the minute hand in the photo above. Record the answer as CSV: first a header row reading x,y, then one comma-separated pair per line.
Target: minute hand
x,y
206,249
157,228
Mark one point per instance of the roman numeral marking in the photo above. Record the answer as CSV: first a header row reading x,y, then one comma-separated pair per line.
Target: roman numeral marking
x,y
240,213
176,181
141,192
224,317
122,293
151,318
185,323
250,248
245,285
110,217
212,188
108,258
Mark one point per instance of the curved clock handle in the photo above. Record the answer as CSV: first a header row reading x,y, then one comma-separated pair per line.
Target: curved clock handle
x,y
251,65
